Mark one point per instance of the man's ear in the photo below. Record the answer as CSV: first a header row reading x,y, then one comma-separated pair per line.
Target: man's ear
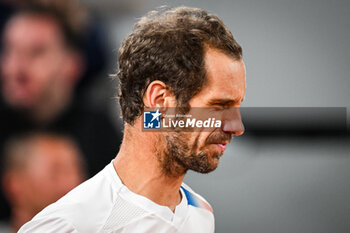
x,y
158,95
74,68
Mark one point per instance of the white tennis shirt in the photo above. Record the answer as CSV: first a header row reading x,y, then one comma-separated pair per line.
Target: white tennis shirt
x,y
104,204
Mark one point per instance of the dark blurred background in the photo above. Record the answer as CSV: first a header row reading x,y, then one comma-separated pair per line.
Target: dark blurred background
x,y
290,171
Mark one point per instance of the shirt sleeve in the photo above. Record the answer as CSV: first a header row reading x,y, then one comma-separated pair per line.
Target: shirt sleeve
x,y
49,225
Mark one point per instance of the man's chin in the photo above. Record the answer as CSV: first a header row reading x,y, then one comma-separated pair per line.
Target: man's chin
x,y
20,103
206,170
211,164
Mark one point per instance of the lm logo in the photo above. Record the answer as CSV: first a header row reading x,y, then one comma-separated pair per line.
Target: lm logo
x,y
151,119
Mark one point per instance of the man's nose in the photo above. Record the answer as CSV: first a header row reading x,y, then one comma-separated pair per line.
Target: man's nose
x,y
232,122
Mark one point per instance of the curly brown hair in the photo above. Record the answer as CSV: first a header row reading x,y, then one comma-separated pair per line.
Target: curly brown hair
x,y
169,46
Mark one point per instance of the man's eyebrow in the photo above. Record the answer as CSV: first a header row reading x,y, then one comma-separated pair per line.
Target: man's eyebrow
x,y
226,101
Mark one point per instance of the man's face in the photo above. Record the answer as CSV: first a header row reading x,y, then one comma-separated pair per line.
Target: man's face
x,y
33,60
53,170
201,150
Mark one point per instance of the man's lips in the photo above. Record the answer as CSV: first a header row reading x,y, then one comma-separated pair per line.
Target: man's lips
x,y
222,146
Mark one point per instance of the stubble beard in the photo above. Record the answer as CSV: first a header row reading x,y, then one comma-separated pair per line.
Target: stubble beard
x,y
177,157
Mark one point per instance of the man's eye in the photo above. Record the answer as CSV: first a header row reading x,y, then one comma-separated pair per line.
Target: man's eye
x,y
221,106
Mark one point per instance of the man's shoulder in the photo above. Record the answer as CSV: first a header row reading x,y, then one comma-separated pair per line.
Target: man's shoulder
x,y
83,209
200,217
194,199
48,225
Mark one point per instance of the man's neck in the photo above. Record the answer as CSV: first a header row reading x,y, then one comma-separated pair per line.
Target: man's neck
x,y
140,170
19,217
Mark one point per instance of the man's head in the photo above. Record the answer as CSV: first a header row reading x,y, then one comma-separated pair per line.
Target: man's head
x,y
184,58
40,62
40,168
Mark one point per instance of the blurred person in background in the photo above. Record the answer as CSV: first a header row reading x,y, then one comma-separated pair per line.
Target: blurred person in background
x,y
93,43
41,64
39,168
